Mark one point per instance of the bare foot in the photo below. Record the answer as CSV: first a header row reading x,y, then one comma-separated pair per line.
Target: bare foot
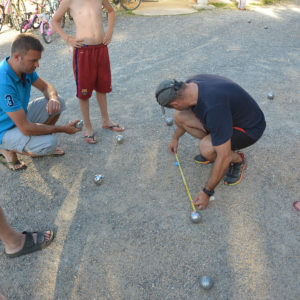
x,y
112,126
58,152
90,138
10,160
18,244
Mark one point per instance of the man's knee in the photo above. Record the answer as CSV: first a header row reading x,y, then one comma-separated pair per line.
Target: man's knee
x,y
41,145
37,112
205,146
180,117
62,104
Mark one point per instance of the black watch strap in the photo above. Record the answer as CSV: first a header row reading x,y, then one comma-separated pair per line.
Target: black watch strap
x,y
207,192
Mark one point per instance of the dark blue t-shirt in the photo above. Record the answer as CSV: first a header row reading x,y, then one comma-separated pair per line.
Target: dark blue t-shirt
x,y
223,104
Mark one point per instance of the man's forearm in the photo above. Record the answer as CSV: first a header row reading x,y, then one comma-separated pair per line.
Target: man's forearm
x,y
41,129
111,21
50,92
57,27
218,171
179,132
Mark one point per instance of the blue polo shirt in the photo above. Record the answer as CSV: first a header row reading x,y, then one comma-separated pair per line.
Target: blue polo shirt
x,y
14,94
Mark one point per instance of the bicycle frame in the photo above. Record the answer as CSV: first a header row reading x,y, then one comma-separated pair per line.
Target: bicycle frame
x,y
5,5
49,31
46,29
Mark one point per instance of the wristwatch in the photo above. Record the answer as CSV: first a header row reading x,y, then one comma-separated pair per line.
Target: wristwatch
x,y
207,192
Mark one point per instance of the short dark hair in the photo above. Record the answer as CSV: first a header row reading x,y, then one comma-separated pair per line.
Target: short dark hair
x,y
25,42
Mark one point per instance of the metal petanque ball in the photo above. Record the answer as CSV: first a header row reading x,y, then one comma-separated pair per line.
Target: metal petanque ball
x,y
195,217
271,96
169,121
206,282
98,179
120,139
79,124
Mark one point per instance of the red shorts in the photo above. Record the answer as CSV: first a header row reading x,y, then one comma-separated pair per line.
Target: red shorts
x,y
91,69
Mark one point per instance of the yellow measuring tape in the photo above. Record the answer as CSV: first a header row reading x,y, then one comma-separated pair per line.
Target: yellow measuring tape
x,y
185,184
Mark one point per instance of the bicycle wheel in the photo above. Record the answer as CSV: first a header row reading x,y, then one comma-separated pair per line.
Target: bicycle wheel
x,y
36,22
47,38
69,15
21,10
24,26
14,18
48,7
130,4
2,16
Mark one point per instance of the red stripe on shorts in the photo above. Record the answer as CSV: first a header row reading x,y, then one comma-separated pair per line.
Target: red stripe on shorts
x,y
240,129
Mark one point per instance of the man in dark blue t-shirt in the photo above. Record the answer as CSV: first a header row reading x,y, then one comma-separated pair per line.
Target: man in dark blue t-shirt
x,y
220,113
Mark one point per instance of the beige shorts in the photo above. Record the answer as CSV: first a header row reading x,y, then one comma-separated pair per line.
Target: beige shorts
x,y
15,140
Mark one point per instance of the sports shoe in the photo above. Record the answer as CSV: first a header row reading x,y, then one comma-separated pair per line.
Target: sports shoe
x,y
199,159
235,172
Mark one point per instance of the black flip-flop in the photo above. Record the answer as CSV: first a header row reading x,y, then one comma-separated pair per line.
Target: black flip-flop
x,y
90,139
30,246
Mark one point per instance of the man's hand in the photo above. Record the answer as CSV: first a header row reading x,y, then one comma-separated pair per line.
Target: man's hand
x,y
75,43
173,146
70,127
107,37
53,106
201,200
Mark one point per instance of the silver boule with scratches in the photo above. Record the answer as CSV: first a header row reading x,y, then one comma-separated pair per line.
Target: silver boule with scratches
x,y
271,96
206,282
169,121
79,124
195,217
98,179
119,139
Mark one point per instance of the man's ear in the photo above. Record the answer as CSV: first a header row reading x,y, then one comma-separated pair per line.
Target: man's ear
x,y
174,104
16,56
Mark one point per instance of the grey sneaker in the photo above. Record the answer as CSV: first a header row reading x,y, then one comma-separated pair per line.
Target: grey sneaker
x,y
235,172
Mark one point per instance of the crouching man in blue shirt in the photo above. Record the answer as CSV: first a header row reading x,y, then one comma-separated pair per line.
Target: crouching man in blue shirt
x,y
27,128
220,113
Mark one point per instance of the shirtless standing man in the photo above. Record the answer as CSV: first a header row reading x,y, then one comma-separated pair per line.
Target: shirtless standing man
x,y
90,56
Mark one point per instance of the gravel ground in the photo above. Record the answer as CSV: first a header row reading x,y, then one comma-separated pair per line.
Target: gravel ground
x,y
131,238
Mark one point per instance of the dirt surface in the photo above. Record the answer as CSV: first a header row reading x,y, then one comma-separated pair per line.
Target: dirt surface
x,y
166,7
131,238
